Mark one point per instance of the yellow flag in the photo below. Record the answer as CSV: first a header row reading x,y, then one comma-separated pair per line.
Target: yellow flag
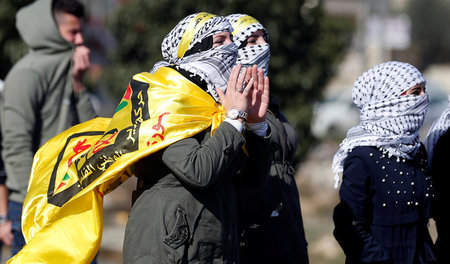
x,y
62,215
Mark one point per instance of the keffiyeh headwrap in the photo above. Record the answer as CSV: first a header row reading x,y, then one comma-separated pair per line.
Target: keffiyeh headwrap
x,y
439,127
387,119
213,65
243,27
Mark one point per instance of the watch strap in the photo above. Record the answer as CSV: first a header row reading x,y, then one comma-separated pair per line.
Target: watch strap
x,y
243,115
3,219
231,113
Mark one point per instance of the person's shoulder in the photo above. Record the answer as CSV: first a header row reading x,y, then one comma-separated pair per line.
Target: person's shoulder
x,y
445,137
363,151
22,75
41,62
26,65
361,155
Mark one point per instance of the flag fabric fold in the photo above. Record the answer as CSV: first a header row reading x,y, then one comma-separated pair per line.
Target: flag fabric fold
x,y
62,218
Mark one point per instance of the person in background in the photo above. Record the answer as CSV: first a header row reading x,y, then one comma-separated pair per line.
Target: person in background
x,y
438,146
186,206
386,192
5,224
270,213
43,94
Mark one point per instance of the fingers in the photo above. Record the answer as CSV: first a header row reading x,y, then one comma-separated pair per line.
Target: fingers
x,y
266,86
8,239
81,60
248,87
223,98
240,82
248,75
235,96
261,80
81,55
5,233
254,76
233,77
221,94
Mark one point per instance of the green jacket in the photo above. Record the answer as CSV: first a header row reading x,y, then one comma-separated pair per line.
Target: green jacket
x,y
38,101
188,212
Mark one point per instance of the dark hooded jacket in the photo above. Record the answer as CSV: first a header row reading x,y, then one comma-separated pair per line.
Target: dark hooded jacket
x,y
38,101
270,214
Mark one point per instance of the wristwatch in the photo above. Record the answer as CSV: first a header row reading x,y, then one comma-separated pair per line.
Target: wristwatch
x,y
3,219
234,114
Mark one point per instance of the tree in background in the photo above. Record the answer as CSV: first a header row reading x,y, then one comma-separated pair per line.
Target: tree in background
x,y
430,41
306,46
12,48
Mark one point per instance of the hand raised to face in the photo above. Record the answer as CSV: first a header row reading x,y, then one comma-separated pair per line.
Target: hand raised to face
x,y
253,99
236,97
259,96
81,61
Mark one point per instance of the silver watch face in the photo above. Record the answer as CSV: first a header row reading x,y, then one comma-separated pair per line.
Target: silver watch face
x,y
233,113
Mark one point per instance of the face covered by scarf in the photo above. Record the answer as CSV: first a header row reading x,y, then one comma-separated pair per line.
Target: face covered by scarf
x,y
189,46
439,127
243,27
388,119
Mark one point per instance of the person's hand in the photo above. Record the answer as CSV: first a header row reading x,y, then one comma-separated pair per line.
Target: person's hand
x,y
235,96
81,64
81,61
259,97
5,233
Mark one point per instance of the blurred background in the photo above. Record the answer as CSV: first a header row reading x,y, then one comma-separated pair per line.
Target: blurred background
x,y
318,49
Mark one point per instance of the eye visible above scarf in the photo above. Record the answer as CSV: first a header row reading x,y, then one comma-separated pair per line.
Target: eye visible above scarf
x,y
387,119
186,47
438,128
243,27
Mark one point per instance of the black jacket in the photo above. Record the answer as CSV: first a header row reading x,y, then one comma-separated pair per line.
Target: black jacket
x,y
441,181
270,215
384,209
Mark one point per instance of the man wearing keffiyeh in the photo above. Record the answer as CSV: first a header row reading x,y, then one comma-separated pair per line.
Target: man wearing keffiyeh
x,y
270,215
386,190
438,146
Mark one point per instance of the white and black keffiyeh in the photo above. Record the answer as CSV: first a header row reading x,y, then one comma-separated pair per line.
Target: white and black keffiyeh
x,y
243,27
438,128
213,65
256,54
387,119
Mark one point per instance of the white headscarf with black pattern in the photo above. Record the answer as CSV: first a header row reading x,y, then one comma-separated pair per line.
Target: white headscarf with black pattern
x,y
438,128
213,65
243,27
387,119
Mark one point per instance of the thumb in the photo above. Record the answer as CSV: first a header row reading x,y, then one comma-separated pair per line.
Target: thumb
x,y
221,94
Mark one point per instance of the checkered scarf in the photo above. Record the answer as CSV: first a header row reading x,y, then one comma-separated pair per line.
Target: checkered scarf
x,y
243,27
439,127
387,119
213,65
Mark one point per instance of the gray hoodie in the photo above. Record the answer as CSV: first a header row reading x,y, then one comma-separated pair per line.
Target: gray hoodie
x,y
38,101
